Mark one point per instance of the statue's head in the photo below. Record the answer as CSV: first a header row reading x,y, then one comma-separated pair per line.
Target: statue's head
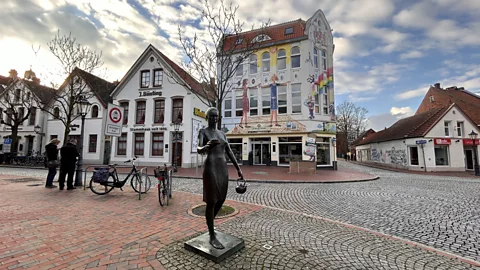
x,y
212,115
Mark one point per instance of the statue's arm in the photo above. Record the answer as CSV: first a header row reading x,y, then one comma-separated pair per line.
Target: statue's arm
x,y
201,149
232,157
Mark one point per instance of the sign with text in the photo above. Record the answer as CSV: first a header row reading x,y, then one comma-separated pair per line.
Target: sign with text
x,y
199,113
196,126
161,128
421,142
113,125
440,141
470,142
150,93
7,145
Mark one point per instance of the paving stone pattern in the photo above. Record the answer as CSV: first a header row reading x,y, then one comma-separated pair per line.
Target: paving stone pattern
x,y
295,241
441,212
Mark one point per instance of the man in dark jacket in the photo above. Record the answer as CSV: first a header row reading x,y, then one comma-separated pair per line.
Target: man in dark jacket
x,y
69,154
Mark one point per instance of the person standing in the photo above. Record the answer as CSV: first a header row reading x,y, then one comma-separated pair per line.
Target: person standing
x,y
68,161
52,162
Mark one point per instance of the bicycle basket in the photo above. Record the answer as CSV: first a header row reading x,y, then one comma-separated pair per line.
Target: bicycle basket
x,y
159,172
100,175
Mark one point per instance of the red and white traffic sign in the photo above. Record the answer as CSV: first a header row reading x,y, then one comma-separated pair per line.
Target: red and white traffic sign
x,y
115,115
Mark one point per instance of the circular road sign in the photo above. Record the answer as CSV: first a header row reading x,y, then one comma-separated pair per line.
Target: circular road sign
x,y
115,115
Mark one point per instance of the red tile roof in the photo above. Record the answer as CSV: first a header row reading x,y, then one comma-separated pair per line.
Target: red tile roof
x,y
414,126
467,101
363,136
275,32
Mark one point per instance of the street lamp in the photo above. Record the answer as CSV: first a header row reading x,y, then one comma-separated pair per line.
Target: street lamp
x,y
84,108
176,126
473,135
38,130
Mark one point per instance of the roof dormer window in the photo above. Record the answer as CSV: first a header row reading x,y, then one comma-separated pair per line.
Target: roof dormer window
x,y
289,31
239,41
261,38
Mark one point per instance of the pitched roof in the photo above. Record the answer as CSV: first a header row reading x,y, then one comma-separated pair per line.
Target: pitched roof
x,y
277,33
363,136
467,101
414,126
4,82
44,93
99,86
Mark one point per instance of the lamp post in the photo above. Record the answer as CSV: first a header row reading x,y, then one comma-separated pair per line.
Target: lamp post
x,y
38,130
84,108
176,126
473,135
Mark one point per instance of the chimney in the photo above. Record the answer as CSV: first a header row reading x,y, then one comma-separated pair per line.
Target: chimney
x,y
437,85
13,74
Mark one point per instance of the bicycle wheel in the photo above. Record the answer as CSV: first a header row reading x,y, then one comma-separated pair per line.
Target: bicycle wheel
x,y
169,186
165,189
142,183
102,188
161,195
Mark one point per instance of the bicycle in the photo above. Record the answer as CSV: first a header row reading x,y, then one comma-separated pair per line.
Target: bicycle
x,y
164,185
104,180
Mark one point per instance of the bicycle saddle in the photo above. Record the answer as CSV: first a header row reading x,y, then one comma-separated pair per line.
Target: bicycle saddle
x,y
112,165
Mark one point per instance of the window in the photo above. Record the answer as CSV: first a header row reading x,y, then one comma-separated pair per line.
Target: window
x,y
122,145
94,111
447,128
17,95
238,41
21,113
253,64
92,143
53,137
33,116
159,116
288,30
325,104
290,149
281,59
441,155
459,129
177,110
228,106
28,95
239,103
141,106
157,77
56,113
266,101
139,144
315,57
8,116
413,155
295,55
324,60
239,71
124,105
296,98
282,99
265,62
157,144
253,102
236,146
145,79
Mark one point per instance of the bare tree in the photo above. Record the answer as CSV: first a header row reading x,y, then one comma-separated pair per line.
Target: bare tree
x,y
74,59
217,55
351,120
17,103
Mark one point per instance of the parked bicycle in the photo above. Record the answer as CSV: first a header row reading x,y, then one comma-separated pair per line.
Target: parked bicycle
x,y
164,185
106,179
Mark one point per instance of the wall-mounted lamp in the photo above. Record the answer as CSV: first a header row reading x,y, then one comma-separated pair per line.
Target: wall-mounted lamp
x,y
430,140
457,141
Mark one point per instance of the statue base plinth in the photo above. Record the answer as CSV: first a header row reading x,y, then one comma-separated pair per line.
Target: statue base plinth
x,y
201,246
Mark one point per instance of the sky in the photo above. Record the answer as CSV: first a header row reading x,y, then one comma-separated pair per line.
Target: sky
x,y
387,52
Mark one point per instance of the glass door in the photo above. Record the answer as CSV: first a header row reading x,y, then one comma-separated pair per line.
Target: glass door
x,y
469,159
261,153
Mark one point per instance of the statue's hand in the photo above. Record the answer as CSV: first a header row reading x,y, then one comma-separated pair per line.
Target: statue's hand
x,y
240,174
204,149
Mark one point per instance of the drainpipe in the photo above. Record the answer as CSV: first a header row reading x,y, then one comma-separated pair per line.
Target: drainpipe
x,y
424,162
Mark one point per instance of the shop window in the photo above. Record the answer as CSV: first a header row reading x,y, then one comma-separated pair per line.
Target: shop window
x,y
265,62
228,106
122,145
139,144
295,57
290,149
282,99
324,60
157,144
159,116
239,103
145,79
441,155
92,143
323,151
177,110
413,155
281,60
265,101
296,98
157,77
253,102
459,129
141,107
253,64
236,146
315,57
447,128
94,111
124,105
33,116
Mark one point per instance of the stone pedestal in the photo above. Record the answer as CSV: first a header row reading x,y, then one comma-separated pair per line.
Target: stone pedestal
x,y
201,246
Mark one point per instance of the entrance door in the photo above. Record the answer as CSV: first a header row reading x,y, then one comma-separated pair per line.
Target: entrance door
x,y
179,144
469,159
261,153
29,146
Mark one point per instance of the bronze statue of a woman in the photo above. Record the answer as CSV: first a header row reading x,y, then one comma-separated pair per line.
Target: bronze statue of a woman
x,y
213,142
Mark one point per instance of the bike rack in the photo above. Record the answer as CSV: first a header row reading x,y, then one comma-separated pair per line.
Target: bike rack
x,y
140,188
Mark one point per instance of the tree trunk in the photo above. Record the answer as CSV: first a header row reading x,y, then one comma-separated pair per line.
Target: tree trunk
x,y
219,107
14,147
66,133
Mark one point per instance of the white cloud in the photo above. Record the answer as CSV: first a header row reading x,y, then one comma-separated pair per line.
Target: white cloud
x,y
411,55
381,121
412,93
401,112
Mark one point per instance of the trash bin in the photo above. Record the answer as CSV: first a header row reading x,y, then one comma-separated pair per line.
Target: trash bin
x,y
2,157
335,165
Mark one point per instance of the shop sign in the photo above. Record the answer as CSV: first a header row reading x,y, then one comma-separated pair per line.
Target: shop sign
x,y
442,141
199,113
310,141
9,128
148,129
150,93
470,142
421,142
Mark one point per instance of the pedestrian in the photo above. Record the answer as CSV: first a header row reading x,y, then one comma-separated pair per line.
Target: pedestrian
x,y
51,150
69,155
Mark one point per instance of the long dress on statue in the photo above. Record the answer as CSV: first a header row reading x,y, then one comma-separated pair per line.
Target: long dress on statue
x,y
215,173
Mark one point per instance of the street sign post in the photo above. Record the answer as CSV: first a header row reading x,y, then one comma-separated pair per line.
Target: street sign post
x,y
113,125
7,145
